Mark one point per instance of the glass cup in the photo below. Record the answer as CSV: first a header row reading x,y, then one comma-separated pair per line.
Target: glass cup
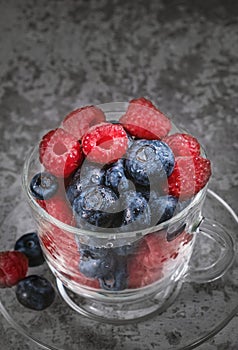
x,y
145,268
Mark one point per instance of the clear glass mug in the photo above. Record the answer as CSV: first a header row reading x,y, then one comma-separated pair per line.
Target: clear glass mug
x,y
154,261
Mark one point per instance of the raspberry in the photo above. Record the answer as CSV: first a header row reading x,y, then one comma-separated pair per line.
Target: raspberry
x,y
105,143
61,245
80,120
60,152
144,120
189,176
183,144
58,207
13,268
146,265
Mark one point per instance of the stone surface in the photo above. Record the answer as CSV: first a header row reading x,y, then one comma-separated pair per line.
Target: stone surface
x,y
58,55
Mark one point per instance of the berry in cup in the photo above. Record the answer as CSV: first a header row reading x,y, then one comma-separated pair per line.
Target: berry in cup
x,y
118,177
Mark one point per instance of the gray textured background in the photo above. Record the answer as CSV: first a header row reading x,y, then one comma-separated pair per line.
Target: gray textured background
x,y
57,55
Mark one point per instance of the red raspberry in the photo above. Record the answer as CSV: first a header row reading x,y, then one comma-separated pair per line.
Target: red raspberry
x,y
144,120
189,176
59,208
60,244
80,120
183,144
105,143
13,268
146,265
60,152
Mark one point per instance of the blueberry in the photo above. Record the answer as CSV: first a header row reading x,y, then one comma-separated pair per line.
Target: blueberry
x,y
118,279
105,265
136,214
29,245
35,292
96,206
89,174
149,162
96,262
115,177
162,207
43,185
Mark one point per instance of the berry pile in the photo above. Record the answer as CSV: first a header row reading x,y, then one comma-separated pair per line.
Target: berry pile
x,y
118,177
33,291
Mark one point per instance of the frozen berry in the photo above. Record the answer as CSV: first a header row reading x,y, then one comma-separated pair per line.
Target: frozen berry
x,y
146,265
44,185
35,292
144,120
29,245
96,206
189,176
59,208
105,143
136,213
80,120
105,265
149,161
96,262
183,144
13,268
89,174
60,153
162,207
115,177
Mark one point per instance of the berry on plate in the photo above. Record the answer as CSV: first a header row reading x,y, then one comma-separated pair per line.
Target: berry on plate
x,y
149,161
183,144
105,143
35,292
60,152
189,176
80,120
144,120
44,185
29,245
13,268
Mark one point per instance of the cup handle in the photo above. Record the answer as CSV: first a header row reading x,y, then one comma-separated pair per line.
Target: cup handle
x,y
214,253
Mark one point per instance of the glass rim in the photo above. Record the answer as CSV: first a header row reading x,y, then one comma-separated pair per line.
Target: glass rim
x,y
113,107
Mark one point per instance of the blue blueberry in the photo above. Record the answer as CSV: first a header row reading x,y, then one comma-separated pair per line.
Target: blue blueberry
x,y
118,279
162,207
115,177
35,292
136,214
89,174
43,185
96,206
29,245
96,262
149,162
105,265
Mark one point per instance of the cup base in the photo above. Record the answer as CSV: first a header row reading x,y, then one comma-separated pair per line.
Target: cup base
x,y
118,312
198,312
